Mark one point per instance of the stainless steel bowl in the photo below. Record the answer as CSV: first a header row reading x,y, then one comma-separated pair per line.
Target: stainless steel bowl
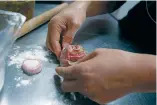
x,y
10,24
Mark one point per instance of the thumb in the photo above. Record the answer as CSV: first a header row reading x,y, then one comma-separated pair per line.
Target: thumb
x,y
68,72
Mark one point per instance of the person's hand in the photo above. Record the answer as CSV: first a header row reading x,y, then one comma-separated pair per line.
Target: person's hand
x,y
102,75
64,25
105,75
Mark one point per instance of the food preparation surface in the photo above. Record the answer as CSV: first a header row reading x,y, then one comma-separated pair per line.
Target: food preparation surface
x,y
44,88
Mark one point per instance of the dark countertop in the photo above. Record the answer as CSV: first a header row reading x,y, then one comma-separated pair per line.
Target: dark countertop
x,y
96,32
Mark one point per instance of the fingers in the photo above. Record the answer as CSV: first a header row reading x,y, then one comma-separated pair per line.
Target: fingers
x,y
69,35
88,57
70,83
57,26
48,45
74,71
70,86
66,72
53,40
67,40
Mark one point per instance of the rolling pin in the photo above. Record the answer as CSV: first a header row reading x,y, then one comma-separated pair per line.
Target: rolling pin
x,y
39,20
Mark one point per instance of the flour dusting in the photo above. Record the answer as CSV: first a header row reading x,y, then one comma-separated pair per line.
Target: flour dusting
x,y
25,82
34,53
17,78
21,81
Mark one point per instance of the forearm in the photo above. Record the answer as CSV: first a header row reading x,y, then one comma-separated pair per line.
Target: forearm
x,y
93,8
145,68
100,7
82,5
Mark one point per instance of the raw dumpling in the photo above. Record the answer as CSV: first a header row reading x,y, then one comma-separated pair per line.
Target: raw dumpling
x,y
71,54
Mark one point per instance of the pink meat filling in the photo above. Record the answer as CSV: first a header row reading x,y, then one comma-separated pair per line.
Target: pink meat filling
x,y
71,54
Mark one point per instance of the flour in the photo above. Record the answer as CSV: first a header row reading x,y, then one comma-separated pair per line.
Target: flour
x,y
34,53
21,81
18,55
25,82
17,78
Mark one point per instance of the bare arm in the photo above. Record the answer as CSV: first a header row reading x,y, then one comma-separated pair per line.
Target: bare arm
x,y
100,7
93,8
145,67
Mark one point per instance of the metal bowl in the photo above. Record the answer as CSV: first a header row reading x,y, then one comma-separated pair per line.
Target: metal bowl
x,y
10,24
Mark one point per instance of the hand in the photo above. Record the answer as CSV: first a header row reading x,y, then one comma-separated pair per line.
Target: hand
x,y
66,23
106,74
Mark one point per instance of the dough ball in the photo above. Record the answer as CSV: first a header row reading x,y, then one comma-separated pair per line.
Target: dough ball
x,y
31,66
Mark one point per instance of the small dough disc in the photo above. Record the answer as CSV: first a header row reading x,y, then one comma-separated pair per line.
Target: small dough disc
x,y
31,66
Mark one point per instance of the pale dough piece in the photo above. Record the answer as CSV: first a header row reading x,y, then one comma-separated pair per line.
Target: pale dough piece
x,y
31,66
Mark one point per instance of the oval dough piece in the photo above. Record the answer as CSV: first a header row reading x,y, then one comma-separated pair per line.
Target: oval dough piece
x,y
31,66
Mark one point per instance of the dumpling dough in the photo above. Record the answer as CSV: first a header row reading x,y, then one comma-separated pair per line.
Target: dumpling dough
x,y
71,54
31,66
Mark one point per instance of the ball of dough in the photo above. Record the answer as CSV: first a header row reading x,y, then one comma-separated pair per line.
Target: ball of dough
x,y
31,66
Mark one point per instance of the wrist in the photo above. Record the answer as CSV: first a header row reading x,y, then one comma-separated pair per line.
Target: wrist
x,y
81,4
143,67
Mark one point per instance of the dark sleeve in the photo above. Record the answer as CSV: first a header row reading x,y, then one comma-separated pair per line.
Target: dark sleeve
x,y
118,4
114,5
139,26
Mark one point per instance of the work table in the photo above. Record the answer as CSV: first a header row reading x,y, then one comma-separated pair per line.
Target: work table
x,y
96,32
